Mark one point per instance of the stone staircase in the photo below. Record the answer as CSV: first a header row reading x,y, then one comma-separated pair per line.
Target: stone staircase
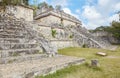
x,y
83,39
17,38
45,43
14,39
42,66
103,41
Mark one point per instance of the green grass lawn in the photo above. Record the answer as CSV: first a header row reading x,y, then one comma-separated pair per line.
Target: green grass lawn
x,y
109,65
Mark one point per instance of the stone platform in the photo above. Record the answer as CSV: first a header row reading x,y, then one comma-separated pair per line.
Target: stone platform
x,y
43,66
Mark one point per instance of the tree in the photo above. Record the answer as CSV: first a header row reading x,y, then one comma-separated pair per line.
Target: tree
x,y
4,3
26,2
101,28
51,7
115,29
58,7
43,4
14,2
118,14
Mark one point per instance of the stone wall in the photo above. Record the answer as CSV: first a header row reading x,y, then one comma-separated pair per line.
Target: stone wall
x,y
21,12
59,44
45,31
54,19
61,39
67,22
105,37
100,33
66,37
15,38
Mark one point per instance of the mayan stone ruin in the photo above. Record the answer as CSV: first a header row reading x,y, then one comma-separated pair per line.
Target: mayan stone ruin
x,y
26,37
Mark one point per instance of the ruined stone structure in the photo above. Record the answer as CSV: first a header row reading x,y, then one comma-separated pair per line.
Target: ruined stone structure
x,y
20,11
24,39
50,30
105,38
20,38
65,26
55,16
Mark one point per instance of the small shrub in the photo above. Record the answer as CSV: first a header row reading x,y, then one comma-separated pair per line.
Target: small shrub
x,y
54,33
15,54
11,61
61,24
71,36
84,46
39,52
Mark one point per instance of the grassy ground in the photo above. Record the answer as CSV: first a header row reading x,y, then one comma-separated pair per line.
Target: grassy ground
x,y
109,65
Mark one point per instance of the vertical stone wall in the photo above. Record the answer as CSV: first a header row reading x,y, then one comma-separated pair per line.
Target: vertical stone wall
x,y
21,12
61,39
105,38
45,31
59,44
48,20
66,23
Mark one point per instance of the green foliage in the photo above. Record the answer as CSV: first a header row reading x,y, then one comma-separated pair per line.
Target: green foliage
x,y
14,2
109,67
115,29
84,46
101,28
44,4
51,7
11,61
71,36
58,7
26,2
35,8
39,52
61,24
88,53
4,3
53,33
16,54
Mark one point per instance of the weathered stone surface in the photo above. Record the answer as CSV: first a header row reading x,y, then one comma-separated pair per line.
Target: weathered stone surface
x,y
27,14
65,26
41,66
18,36
94,63
101,53
18,59
29,75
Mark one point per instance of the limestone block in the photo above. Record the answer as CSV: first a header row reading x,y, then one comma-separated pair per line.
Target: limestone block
x,y
101,53
94,62
4,54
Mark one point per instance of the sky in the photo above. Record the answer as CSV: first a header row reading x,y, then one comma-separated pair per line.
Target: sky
x,y
92,13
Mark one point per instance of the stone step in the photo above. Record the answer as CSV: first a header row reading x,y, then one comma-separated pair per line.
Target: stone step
x,y
22,58
16,40
43,66
11,36
13,32
7,46
17,52
11,27
9,40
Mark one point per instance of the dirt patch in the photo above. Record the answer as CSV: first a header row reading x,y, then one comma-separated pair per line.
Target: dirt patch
x,y
112,57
